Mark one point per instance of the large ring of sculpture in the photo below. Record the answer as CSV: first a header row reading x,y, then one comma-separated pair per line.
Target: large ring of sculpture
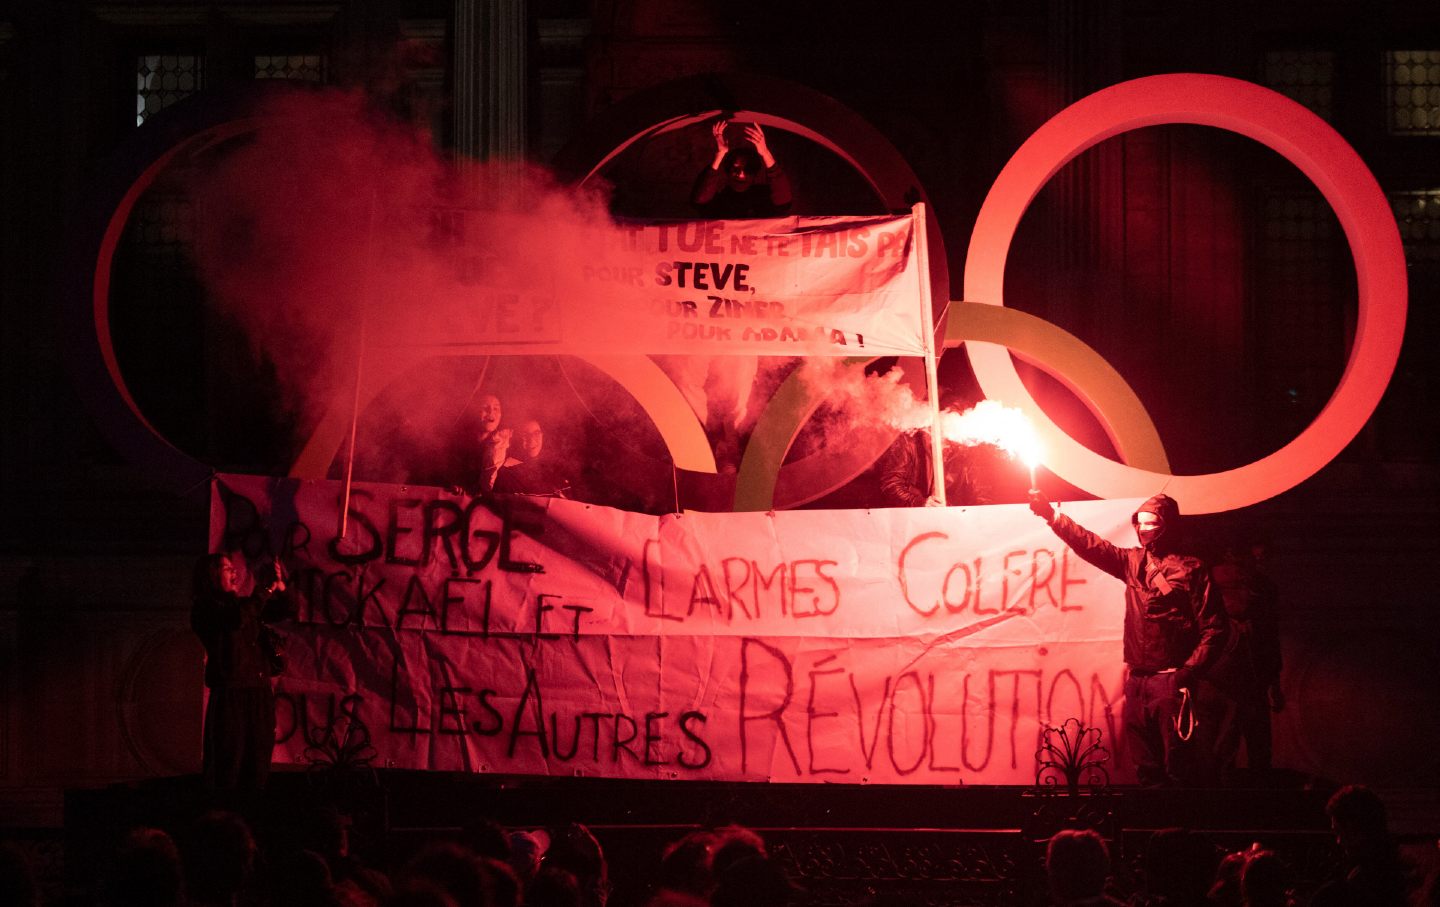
x,y
1117,409
1306,141
682,433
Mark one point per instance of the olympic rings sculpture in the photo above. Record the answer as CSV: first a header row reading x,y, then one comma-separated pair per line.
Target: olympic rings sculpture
x,y
989,331
1322,155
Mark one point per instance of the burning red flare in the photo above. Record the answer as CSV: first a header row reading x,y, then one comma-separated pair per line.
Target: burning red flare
x,y
989,422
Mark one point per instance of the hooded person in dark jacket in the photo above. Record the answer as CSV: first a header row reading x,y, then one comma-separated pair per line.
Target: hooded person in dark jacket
x,y
1175,628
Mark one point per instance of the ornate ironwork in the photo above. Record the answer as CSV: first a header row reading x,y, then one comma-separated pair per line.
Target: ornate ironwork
x,y
1072,753
341,768
342,753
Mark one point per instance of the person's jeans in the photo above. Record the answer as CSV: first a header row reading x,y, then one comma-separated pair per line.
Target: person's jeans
x,y
1147,723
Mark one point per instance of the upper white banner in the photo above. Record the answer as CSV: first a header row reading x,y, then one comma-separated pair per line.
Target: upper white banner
x,y
813,286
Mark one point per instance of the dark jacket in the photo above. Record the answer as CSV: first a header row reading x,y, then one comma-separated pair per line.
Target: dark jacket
x,y
1174,617
715,199
229,629
906,479
1251,662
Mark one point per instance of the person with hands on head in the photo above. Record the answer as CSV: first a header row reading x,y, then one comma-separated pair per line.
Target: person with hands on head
x,y
1175,628
744,180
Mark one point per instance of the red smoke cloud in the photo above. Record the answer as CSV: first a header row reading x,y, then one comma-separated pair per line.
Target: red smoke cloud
x,y
332,215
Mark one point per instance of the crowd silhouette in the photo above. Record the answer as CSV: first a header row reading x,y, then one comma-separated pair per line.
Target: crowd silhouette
x,y
218,858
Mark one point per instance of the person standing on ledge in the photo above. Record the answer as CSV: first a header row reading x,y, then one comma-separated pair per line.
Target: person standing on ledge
x,y
744,180
1175,628
241,656
907,479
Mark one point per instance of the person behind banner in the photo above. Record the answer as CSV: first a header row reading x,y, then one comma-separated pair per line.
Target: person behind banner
x,y
531,471
908,480
744,180
1248,672
490,452
1175,628
242,655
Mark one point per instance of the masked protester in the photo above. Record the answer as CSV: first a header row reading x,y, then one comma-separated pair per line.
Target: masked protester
x,y
1175,628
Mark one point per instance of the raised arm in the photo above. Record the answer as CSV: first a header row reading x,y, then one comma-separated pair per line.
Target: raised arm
x,y
1082,541
775,176
722,145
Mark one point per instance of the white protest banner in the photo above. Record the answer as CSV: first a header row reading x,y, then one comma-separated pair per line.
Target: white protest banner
x,y
543,636
817,286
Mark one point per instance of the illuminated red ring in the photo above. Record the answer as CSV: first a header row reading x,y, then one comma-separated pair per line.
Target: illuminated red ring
x,y
1306,141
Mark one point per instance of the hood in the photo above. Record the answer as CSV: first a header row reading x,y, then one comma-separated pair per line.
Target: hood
x,y
1164,507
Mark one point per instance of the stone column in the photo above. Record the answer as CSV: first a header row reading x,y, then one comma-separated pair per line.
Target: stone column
x,y
490,79
1087,226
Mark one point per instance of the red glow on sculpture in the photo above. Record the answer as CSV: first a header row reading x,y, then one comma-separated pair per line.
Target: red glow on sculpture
x,y
1314,147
